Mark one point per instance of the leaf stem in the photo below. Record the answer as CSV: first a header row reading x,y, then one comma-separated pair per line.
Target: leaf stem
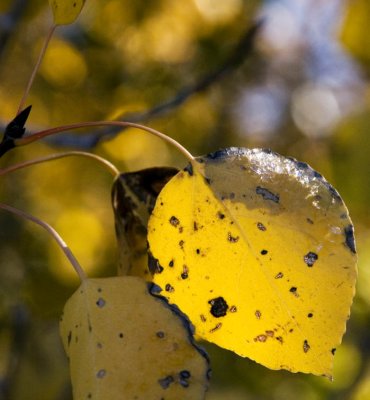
x,y
108,165
72,259
39,135
36,68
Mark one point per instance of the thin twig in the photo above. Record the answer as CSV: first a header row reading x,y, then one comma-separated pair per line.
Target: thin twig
x,y
110,167
53,233
39,135
241,52
36,68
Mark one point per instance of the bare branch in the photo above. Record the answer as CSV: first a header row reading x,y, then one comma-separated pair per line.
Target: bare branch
x,y
241,52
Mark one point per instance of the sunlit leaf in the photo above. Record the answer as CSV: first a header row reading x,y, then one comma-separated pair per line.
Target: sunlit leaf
x,y
123,343
258,250
66,11
133,199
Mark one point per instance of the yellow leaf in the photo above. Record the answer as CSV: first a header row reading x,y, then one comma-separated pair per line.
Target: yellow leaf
x,y
133,199
258,250
123,343
66,11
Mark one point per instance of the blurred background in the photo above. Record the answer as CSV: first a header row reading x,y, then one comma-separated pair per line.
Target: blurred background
x,y
184,69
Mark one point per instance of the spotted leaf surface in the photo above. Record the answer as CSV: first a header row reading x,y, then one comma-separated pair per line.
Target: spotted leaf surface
x,y
258,250
66,11
133,199
123,343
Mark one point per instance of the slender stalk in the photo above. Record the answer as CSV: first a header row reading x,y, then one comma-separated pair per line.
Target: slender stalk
x,y
42,134
72,259
36,68
108,165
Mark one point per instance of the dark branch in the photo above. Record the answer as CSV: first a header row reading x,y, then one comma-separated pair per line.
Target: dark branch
x,y
241,52
9,22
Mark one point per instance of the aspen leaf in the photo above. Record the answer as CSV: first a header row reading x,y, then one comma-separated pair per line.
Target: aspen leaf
x,y
66,11
124,343
133,199
258,251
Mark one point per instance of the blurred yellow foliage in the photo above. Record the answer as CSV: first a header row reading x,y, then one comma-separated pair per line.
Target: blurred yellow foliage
x,y
83,229
130,56
130,146
64,66
355,32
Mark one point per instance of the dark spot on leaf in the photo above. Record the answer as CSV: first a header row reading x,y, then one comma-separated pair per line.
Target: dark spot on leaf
x,y
267,195
232,239
261,227
184,383
258,314
99,345
166,382
185,272
171,263
169,288
181,244
69,338
309,220
120,335
334,193
197,251
233,309
279,339
185,374
218,326
306,346
174,221
219,307
310,258
293,289
220,215
350,238
309,315
195,226
160,334
100,302
279,275
101,373
264,252
203,318
270,333
333,351
260,338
